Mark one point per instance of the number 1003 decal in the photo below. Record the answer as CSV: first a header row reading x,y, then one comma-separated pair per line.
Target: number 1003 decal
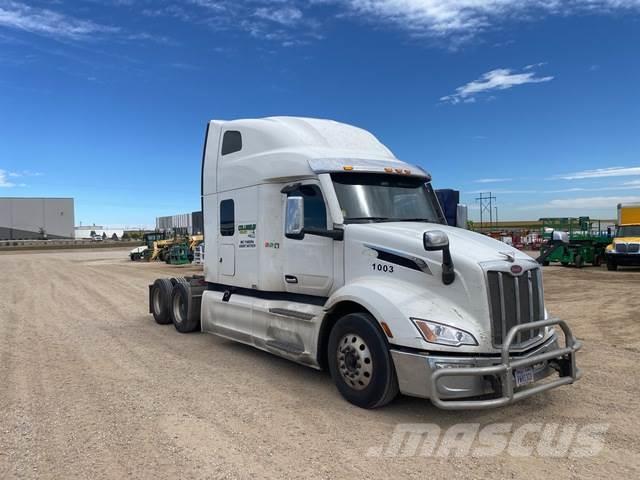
x,y
379,267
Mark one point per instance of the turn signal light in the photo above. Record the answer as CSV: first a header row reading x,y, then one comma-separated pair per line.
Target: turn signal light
x,y
429,336
386,329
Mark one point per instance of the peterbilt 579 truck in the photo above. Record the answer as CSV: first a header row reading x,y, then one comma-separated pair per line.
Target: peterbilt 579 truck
x,y
324,248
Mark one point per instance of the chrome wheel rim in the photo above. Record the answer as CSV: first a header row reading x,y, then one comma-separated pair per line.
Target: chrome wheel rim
x,y
354,361
178,309
157,305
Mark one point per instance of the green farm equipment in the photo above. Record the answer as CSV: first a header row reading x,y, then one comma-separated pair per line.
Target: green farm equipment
x,y
573,241
178,254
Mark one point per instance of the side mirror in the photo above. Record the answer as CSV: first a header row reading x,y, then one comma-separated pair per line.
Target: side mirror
x,y
435,240
294,221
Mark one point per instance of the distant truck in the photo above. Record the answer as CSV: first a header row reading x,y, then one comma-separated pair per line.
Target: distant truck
x,y
324,248
625,249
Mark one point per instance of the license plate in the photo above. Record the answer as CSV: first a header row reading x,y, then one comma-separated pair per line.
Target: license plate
x,y
524,376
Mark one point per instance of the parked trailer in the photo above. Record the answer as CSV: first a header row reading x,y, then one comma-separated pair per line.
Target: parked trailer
x,y
324,248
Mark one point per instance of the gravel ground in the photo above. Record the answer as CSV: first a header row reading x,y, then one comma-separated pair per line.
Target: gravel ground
x,y
91,387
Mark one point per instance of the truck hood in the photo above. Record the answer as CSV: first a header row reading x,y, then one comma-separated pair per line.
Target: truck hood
x,y
407,236
421,293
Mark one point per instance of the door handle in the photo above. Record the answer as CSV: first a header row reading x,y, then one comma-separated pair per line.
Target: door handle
x,y
291,279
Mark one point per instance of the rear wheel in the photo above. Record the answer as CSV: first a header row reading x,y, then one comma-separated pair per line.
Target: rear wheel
x,y
160,297
185,310
360,362
579,261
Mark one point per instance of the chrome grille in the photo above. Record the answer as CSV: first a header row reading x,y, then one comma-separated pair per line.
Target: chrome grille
x,y
633,247
621,247
514,300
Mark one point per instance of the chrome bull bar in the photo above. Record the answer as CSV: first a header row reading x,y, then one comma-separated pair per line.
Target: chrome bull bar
x,y
569,373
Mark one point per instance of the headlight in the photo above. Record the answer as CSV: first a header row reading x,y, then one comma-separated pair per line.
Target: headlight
x,y
434,332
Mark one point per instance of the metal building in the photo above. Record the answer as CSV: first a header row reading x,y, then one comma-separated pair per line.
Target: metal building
x,y
36,218
185,223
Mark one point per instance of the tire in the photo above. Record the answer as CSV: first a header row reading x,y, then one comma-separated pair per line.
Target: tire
x,y
597,260
545,263
579,261
612,266
365,376
160,298
184,308
175,280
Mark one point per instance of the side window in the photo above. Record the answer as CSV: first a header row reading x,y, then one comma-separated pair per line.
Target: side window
x,y
315,212
227,218
231,142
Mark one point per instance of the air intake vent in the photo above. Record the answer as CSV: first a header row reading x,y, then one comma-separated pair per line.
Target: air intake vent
x,y
514,300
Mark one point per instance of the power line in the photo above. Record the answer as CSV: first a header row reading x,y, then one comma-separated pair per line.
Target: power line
x,y
486,200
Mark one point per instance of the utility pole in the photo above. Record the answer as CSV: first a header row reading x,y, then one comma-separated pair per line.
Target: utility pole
x,y
486,205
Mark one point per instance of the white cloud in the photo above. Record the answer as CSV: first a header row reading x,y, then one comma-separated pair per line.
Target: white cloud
x,y
25,173
600,173
287,15
499,79
586,202
492,180
534,65
464,19
20,16
633,183
4,183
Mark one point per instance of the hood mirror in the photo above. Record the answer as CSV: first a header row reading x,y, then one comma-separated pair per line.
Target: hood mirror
x,y
435,240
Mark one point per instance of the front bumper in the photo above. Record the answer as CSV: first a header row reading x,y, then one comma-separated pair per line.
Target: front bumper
x,y
624,259
446,379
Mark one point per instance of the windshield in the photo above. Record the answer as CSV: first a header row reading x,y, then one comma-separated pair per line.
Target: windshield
x,y
375,197
628,231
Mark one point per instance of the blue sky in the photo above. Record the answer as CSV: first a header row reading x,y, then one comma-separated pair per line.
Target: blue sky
x,y
536,101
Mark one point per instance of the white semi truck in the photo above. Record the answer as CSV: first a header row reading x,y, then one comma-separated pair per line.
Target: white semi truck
x,y
324,248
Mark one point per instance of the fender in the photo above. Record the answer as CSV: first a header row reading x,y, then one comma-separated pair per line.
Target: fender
x,y
394,301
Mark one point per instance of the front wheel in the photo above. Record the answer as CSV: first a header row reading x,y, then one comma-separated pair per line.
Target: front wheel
x,y
360,362
612,266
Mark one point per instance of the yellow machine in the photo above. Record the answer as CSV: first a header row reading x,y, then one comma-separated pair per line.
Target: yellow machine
x,y
625,249
160,249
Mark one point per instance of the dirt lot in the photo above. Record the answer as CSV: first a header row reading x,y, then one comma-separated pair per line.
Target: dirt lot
x,y
91,387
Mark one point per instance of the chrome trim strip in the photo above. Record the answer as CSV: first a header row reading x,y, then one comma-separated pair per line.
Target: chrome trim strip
x,y
285,312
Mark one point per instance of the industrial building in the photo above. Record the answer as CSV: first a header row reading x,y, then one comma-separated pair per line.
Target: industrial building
x,y
185,223
36,218
89,231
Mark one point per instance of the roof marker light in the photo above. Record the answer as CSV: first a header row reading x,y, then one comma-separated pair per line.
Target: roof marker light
x,y
388,169
347,168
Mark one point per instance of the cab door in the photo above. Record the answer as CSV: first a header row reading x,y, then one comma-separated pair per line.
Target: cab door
x,y
308,262
227,241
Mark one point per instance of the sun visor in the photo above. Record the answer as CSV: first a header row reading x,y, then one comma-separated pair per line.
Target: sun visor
x,y
328,165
